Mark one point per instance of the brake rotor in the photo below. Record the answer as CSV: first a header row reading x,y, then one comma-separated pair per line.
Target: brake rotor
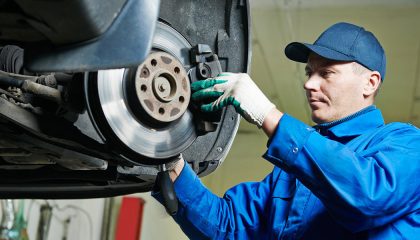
x,y
147,108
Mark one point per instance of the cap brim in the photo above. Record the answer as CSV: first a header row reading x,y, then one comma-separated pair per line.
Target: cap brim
x,y
299,52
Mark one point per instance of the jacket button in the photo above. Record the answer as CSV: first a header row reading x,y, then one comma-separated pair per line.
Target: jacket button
x,y
295,150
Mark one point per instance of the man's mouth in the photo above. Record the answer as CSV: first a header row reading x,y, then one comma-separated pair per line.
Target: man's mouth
x,y
315,103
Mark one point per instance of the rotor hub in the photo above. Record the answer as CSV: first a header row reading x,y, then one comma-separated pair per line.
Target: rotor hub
x,y
162,87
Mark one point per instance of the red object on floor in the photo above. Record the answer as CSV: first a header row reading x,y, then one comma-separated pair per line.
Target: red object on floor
x,y
129,219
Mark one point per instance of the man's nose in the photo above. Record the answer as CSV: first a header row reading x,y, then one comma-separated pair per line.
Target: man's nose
x,y
312,83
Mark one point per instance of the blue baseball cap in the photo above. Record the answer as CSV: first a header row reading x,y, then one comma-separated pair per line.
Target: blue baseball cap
x,y
343,42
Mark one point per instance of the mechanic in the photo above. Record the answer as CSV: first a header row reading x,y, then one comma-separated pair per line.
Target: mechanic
x,y
350,177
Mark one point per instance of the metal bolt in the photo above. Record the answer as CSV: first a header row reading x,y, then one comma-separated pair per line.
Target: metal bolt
x,y
219,149
161,87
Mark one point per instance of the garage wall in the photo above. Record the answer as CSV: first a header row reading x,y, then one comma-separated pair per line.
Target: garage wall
x,y
87,215
85,218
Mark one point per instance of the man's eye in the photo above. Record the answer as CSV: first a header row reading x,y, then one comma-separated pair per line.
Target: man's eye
x,y
325,73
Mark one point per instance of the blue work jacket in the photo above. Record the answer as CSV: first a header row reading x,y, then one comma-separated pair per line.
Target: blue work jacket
x,y
355,178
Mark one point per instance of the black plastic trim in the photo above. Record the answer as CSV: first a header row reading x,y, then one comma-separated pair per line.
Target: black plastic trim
x,y
127,42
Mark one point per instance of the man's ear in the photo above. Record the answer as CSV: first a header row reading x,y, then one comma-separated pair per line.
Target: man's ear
x,y
372,84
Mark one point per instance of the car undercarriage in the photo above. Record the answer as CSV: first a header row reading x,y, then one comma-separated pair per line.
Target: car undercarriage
x,y
95,97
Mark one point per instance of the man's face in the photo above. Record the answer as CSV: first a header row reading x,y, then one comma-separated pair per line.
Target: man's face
x,y
333,89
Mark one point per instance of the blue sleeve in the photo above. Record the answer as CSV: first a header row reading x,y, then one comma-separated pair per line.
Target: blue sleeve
x,y
203,215
363,189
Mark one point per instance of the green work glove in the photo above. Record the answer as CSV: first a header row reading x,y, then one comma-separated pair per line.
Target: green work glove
x,y
235,89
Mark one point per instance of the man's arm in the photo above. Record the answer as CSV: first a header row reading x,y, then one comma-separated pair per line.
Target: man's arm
x,y
269,126
239,214
271,122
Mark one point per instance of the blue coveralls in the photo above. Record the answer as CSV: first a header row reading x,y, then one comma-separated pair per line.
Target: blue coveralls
x,y
355,178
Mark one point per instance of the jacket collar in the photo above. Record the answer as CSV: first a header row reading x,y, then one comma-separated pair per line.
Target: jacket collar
x,y
353,125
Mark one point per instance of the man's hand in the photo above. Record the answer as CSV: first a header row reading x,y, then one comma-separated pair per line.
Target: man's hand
x,y
176,168
235,89
165,184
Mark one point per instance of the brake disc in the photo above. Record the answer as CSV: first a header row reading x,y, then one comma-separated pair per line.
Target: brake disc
x,y
146,107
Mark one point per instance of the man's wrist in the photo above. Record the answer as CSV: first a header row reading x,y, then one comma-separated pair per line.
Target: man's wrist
x,y
271,121
177,169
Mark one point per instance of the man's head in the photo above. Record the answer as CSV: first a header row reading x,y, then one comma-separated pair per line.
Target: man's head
x,y
345,67
336,89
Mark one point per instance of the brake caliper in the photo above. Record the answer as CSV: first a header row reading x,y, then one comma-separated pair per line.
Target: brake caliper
x,y
206,65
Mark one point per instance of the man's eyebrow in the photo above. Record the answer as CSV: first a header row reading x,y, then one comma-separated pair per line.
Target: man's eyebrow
x,y
319,66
